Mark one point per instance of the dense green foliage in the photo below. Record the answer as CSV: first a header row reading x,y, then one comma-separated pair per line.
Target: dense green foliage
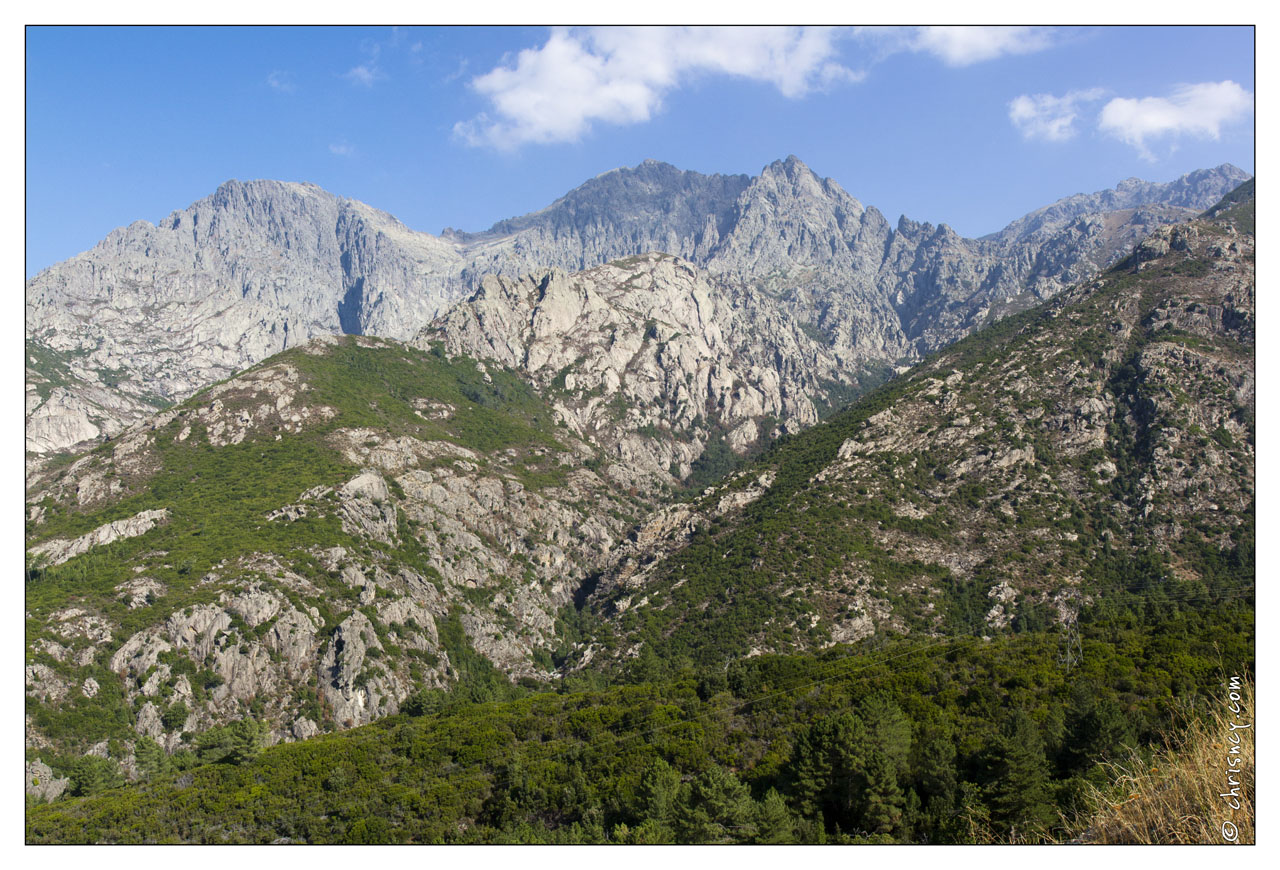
x,y
891,741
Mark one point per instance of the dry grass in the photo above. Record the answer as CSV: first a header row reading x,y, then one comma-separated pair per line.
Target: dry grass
x,y
1177,797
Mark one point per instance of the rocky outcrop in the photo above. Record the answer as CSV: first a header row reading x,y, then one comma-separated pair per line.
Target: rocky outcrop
x,y
650,358
253,269
140,591
872,289
620,213
424,533
71,402
357,694
41,783
59,550
44,683
366,509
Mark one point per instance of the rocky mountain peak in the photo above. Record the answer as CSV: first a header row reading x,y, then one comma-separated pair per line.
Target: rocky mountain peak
x,y
793,176
1192,192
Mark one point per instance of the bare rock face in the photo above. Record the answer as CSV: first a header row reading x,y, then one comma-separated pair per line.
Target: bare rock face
x,y
62,420
73,402
871,289
41,782
253,269
60,550
649,357
140,591
44,683
358,693
366,508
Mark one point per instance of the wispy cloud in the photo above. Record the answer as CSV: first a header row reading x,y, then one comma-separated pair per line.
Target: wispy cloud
x,y
1050,118
281,81
965,45
1198,110
370,71
342,149
459,72
620,75
365,75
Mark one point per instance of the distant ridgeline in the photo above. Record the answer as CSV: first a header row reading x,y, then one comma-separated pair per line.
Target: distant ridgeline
x,y
155,312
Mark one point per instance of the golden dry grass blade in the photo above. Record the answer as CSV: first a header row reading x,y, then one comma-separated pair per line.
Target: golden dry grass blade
x,y
1199,789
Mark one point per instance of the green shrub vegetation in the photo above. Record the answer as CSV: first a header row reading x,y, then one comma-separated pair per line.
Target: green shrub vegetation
x,y
894,740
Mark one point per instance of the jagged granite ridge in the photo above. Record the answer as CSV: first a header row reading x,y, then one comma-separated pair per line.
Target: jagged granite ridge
x,y
261,266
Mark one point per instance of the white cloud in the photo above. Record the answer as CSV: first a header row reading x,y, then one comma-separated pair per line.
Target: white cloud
x,y
342,149
281,81
1044,116
619,75
964,45
1198,110
365,74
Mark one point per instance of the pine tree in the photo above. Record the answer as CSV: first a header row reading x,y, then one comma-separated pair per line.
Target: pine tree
x,y
883,800
774,823
1095,727
247,736
719,809
933,764
651,832
827,770
658,793
150,757
1018,793
91,774
889,730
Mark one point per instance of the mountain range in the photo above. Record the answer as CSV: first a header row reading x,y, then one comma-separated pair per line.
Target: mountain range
x,y
330,470
155,312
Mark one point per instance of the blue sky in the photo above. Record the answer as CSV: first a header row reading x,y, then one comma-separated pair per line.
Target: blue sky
x,y
466,126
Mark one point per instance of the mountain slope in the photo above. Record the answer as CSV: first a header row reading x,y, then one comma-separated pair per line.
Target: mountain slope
x,y
247,272
904,742
313,541
620,213
70,402
349,529
364,476
1103,441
